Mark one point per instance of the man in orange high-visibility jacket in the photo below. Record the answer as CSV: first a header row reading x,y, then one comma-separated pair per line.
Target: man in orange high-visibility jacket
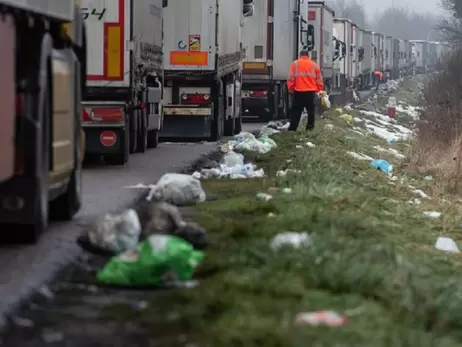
x,y
379,76
304,81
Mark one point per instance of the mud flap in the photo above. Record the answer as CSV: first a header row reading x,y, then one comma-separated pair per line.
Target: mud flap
x,y
187,122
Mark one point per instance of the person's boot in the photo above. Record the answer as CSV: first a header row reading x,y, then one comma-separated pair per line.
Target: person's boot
x,y
309,127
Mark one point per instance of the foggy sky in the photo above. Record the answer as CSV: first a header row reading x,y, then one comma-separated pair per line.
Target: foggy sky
x,y
372,6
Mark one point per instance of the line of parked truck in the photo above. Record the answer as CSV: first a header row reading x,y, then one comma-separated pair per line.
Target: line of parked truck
x,y
112,77
193,69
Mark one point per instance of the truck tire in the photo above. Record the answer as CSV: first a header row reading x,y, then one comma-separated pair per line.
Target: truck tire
x,y
153,138
238,124
219,113
133,127
31,233
142,135
230,123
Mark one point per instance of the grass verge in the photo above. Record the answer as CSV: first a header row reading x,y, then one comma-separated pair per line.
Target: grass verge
x,y
371,258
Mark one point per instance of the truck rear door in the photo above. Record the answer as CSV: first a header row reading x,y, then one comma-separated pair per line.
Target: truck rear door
x,y
109,42
190,35
256,38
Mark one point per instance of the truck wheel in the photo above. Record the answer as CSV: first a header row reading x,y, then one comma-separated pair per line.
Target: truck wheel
x,y
219,116
230,123
133,126
142,135
238,124
153,139
32,232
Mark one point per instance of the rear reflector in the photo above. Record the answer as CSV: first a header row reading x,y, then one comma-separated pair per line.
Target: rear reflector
x,y
258,93
101,114
195,99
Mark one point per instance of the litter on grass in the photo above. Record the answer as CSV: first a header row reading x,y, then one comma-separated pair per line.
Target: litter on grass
x,y
382,165
318,318
292,239
264,197
421,193
284,173
158,260
246,141
115,233
446,244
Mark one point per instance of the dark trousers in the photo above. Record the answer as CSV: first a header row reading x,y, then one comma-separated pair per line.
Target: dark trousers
x,y
303,100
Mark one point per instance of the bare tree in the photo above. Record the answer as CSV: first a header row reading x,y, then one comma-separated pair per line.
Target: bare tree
x,y
351,9
451,24
402,23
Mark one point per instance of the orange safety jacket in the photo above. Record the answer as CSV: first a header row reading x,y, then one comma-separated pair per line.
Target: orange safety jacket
x,y
304,76
380,74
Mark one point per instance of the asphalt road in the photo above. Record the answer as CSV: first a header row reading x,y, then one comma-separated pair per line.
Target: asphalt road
x,y
24,269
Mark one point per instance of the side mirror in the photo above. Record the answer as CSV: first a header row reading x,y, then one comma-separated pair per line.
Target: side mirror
x,y
310,37
247,8
164,3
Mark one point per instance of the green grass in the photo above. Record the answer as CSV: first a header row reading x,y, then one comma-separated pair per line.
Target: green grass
x,y
372,256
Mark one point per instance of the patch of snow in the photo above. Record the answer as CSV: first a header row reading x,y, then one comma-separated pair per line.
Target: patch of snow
x,y
360,156
421,193
390,150
432,214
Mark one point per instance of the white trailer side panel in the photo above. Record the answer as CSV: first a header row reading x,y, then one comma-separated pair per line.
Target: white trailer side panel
x,y
402,51
108,35
359,44
354,52
229,27
189,35
59,9
147,34
367,44
284,36
343,29
388,59
321,17
255,33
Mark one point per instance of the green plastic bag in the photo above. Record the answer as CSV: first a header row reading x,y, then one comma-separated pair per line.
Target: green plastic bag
x,y
158,259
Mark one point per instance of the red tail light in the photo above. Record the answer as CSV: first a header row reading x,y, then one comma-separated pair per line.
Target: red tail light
x,y
258,93
19,105
195,99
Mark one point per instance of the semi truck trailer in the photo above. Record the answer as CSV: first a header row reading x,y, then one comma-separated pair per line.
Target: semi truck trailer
x,y
42,79
122,109
203,58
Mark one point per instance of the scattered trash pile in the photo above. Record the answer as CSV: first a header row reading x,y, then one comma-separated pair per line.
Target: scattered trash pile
x,y
151,244
232,164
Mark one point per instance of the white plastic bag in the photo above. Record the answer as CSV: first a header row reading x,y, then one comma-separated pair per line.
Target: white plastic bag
x,y
232,159
446,244
116,232
290,238
178,189
325,102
